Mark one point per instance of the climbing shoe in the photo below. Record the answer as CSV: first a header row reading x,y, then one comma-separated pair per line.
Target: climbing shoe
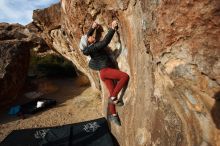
x,y
115,101
119,103
114,119
112,100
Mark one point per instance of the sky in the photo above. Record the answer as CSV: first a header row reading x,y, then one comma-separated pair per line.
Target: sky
x,y
20,11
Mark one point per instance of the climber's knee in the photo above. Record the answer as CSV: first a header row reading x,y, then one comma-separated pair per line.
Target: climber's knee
x,y
126,77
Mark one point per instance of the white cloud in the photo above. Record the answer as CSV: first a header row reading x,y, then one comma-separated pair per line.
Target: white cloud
x,y
20,11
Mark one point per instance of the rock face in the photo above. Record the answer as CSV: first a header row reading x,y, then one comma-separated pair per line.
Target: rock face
x,y
15,44
14,60
50,28
171,51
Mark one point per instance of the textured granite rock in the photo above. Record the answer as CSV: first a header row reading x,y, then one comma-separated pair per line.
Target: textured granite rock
x,y
14,60
171,51
15,44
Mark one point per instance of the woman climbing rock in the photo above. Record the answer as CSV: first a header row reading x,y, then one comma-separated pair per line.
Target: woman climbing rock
x,y
100,61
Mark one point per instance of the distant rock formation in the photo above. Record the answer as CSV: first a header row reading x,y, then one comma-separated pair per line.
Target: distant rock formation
x,y
170,49
15,44
14,60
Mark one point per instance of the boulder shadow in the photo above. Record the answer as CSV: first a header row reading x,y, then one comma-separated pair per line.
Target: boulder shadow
x,y
120,98
215,111
115,140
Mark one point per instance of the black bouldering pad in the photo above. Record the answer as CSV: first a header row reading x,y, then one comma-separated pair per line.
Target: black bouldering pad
x,y
89,133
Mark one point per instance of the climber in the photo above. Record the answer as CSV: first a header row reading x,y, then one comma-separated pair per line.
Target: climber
x,y
100,61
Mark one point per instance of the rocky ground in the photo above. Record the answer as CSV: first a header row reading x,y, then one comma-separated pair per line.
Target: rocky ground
x,y
76,103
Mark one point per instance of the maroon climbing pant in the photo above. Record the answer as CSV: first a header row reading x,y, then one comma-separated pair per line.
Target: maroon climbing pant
x,y
108,75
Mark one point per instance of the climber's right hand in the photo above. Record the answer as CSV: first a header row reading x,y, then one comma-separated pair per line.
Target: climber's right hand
x,y
115,24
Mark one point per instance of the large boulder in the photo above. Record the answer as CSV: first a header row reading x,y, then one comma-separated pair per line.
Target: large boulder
x,y
171,51
14,60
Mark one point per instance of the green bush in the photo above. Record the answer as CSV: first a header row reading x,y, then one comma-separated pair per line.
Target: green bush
x,y
51,66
